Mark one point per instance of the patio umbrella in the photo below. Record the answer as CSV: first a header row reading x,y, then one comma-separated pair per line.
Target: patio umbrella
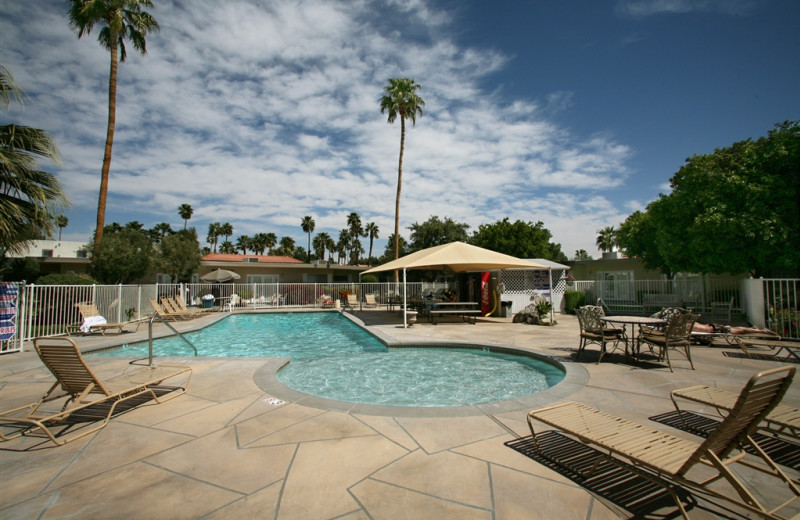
x,y
220,275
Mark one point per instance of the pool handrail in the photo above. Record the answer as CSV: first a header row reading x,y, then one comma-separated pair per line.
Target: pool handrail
x,y
150,337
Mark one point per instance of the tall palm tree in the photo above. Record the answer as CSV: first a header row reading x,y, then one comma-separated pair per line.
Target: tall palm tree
x,y
401,99
356,231
373,233
244,242
343,244
287,245
330,244
29,197
61,222
120,20
271,240
259,243
213,234
162,229
186,212
308,225
226,230
320,244
606,239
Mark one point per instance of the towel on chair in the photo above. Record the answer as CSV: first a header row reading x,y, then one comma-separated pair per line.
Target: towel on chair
x,y
91,321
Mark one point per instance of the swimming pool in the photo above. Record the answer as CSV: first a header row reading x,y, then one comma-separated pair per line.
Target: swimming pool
x,y
336,359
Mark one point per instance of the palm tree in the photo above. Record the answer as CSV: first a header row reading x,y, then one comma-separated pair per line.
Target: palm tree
x,y
308,226
213,234
606,239
271,241
61,222
287,245
320,243
244,242
343,244
356,231
227,248
163,229
29,197
401,99
120,19
331,246
372,232
226,230
259,243
186,212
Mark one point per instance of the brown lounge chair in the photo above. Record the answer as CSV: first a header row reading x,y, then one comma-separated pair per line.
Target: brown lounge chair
x,y
769,348
78,395
658,455
172,306
167,314
783,420
89,311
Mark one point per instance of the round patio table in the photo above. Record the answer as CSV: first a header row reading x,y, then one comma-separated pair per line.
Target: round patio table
x,y
633,321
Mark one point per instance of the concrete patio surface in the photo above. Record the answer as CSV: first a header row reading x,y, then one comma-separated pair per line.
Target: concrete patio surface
x,y
223,450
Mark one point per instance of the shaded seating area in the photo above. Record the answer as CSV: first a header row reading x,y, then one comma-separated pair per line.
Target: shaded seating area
x,y
79,396
668,460
594,331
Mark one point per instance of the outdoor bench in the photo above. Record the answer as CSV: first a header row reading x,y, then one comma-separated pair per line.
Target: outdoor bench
x,y
467,315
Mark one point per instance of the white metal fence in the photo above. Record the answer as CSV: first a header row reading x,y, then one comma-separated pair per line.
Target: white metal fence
x,y
46,310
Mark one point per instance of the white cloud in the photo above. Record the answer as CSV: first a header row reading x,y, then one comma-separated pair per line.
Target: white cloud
x,y
258,114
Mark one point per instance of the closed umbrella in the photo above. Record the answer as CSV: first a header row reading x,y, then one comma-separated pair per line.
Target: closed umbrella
x,y
220,275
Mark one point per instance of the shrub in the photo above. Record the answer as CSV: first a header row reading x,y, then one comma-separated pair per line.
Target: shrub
x,y
573,300
65,279
369,278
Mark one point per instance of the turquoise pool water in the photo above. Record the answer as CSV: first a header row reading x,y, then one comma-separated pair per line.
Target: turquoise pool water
x,y
336,359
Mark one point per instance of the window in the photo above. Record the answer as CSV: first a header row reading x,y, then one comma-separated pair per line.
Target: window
x,y
81,254
251,260
163,278
47,252
262,278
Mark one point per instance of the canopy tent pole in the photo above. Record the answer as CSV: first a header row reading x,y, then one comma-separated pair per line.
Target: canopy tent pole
x,y
405,300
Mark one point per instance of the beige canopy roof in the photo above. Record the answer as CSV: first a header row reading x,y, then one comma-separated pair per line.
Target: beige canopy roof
x,y
457,257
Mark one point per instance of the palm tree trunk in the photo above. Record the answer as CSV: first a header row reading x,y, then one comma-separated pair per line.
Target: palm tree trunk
x,y
397,200
112,118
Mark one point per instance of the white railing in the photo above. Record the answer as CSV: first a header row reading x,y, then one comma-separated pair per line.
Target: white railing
x,y
46,310
645,296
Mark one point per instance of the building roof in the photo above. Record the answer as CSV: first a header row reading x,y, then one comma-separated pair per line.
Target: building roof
x,y
260,259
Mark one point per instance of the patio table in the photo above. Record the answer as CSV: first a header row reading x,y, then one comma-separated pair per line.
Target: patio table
x,y
633,321
467,310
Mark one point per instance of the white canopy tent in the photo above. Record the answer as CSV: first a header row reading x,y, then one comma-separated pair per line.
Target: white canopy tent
x,y
457,257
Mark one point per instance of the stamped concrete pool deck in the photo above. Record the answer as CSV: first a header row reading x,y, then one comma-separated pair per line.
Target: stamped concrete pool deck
x,y
225,450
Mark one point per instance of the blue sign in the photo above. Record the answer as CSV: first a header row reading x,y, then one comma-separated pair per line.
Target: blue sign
x,y
8,310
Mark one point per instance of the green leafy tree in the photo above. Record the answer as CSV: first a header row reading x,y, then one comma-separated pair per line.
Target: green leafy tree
x,y
636,237
122,257
606,239
308,225
519,239
29,197
179,255
401,100
373,232
435,232
388,253
732,211
186,212
120,20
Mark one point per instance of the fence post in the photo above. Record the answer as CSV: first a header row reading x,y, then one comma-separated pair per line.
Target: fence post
x,y
752,300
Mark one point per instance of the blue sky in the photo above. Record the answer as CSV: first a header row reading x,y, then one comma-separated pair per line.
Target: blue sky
x,y
260,112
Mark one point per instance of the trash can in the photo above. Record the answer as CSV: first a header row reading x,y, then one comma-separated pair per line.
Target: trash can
x,y
207,304
505,309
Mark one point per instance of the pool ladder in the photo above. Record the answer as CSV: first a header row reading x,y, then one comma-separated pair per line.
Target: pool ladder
x,y
150,337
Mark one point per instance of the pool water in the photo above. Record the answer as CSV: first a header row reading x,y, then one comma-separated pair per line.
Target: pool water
x,y
336,359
